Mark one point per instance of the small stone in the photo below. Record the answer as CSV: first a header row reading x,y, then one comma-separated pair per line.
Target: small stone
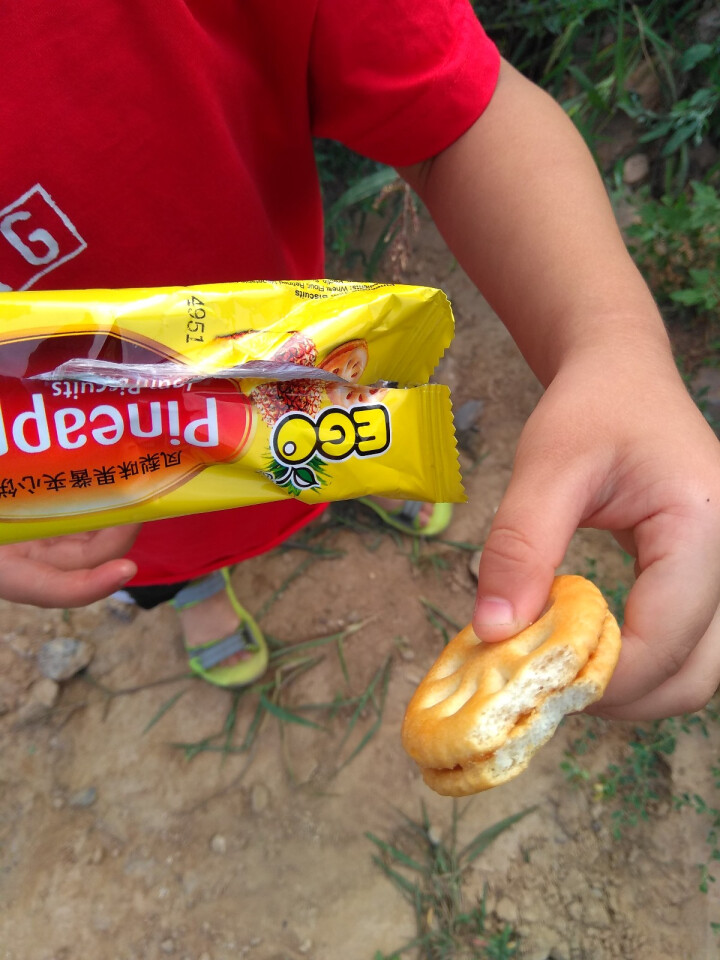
x,y
63,657
542,943
259,797
8,696
97,855
595,915
467,430
122,606
404,648
41,698
575,910
467,415
506,910
305,946
474,564
434,835
205,956
635,169
218,844
168,946
83,798
45,693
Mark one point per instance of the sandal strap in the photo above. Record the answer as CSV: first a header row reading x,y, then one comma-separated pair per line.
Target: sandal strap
x,y
212,654
410,511
198,590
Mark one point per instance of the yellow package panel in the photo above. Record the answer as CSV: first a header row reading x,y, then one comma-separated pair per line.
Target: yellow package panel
x,y
362,332
71,463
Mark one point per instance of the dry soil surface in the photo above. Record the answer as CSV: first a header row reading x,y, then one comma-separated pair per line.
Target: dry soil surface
x,y
117,844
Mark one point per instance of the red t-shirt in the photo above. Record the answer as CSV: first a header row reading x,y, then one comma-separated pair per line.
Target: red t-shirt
x,y
149,144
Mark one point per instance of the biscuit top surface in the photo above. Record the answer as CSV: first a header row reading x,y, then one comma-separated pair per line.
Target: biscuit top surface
x,y
475,692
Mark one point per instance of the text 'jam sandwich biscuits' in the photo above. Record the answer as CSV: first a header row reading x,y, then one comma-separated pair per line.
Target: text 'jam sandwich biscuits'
x,y
484,709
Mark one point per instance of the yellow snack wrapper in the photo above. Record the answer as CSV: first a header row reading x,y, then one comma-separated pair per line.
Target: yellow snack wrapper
x,y
119,406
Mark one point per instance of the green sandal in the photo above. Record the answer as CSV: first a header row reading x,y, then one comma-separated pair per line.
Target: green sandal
x,y
405,519
205,660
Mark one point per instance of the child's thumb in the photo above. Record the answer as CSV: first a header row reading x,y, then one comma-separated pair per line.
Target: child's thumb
x,y
525,546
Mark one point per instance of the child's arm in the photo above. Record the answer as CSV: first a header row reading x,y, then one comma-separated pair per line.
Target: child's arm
x,y
615,442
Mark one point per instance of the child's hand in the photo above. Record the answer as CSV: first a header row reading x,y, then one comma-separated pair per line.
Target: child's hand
x,y
616,443
68,571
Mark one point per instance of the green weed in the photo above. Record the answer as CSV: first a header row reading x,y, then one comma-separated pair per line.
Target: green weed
x,y
353,189
676,243
266,699
428,868
639,786
653,63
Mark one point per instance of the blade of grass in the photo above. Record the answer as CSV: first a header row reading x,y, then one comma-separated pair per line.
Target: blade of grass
x,y
320,641
363,189
383,677
395,854
326,552
379,710
276,594
459,544
440,613
341,658
406,887
231,722
253,727
287,716
483,840
168,705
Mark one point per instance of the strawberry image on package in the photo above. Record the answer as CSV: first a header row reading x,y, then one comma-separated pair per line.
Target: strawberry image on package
x,y
126,405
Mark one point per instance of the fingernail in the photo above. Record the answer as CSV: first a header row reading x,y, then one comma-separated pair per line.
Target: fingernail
x,y
127,576
494,612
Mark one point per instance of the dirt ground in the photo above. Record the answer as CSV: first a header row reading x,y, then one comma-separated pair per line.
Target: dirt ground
x,y
116,844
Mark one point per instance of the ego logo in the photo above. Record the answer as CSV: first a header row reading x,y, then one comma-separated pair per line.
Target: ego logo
x,y
302,446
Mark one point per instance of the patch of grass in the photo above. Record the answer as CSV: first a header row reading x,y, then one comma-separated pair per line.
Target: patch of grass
x,y
428,868
364,710
675,241
353,189
640,785
634,789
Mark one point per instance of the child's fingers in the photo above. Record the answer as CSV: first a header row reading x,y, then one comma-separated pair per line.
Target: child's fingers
x,y
527,542
43,585
84,550
68,571
688,690
671,618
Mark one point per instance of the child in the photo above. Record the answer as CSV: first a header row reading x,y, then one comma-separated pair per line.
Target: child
x,y
150,144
